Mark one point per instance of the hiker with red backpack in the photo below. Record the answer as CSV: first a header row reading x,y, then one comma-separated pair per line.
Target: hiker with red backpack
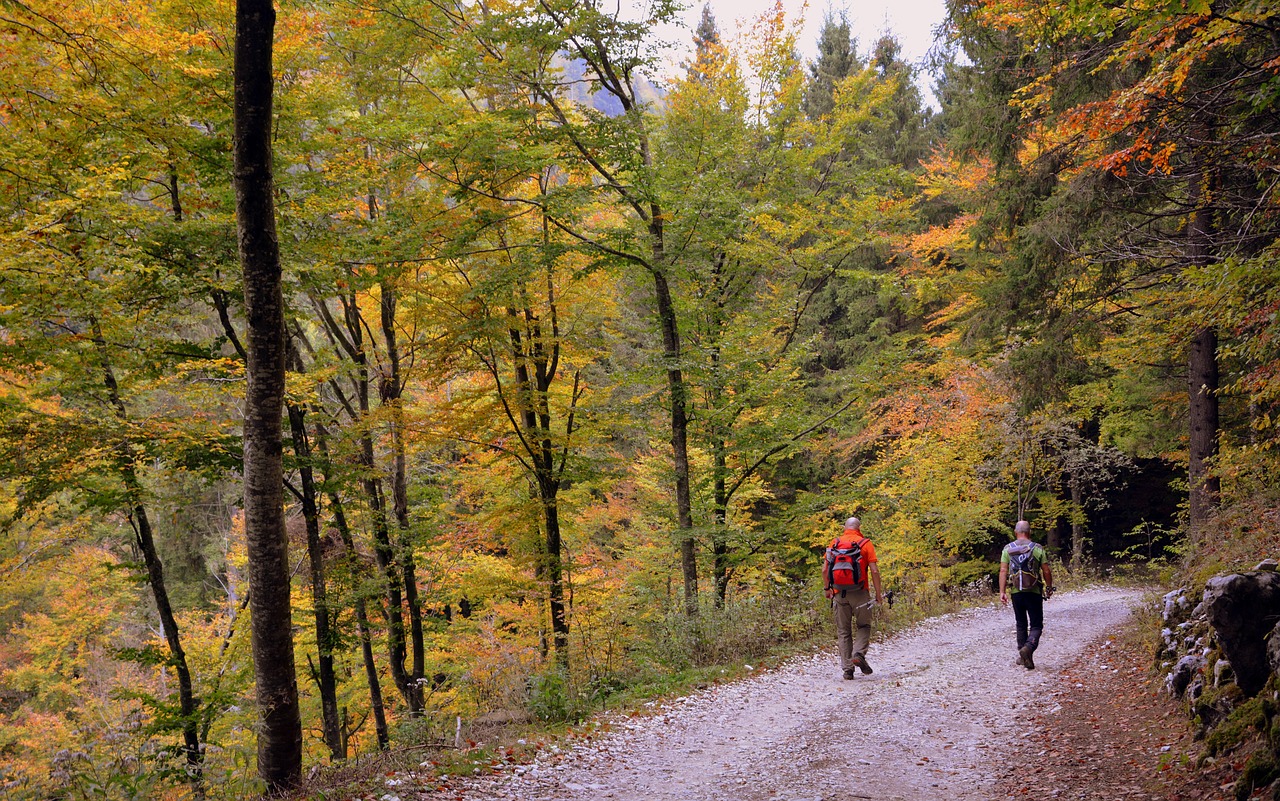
x,y
1026,582
849,562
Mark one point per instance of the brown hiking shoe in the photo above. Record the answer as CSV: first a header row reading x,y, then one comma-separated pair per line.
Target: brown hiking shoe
x,y
861,662
848,673
1024,656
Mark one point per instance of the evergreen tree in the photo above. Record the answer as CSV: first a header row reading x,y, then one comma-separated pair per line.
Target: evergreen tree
x,y
837,60
905,140
706,45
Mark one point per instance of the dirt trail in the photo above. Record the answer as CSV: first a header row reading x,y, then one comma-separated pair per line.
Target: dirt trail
x,y
933,722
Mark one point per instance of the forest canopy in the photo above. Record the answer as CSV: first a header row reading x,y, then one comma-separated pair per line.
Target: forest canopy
x,y
587,359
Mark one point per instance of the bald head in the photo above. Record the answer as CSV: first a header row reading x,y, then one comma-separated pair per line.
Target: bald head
x,y
853,524
1022,528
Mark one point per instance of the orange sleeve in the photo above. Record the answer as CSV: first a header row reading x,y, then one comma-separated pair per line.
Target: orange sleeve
x,y
869,551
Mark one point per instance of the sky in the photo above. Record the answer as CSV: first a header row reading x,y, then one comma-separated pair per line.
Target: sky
x,y
912,21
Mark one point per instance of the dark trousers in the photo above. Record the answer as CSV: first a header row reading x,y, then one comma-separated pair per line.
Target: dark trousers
x,y
1028,611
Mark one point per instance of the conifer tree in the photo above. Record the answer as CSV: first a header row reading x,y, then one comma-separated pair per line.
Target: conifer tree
x,y
837,59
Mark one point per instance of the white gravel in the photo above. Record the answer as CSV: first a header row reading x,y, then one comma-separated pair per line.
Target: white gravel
x,y
939,710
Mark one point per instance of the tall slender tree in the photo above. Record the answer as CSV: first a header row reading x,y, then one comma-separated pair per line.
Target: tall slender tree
x,y
280,732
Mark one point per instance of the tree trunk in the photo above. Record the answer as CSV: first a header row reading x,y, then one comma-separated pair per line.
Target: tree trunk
x,y
376,704
1077,526
679,436
390,392
720,545
1202,376
555,574
187,704
326,637
280,725
1203,395
532,386
383,551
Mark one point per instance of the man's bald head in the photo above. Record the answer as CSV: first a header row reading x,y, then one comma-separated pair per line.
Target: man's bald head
x,y
1022,527
853,524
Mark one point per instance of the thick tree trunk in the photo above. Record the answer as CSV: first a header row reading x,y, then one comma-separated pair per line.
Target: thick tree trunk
x,y
1202,388
280,726
326,637
555,580
1202,374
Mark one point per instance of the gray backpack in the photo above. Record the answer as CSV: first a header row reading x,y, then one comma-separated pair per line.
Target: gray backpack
x,y
1024,567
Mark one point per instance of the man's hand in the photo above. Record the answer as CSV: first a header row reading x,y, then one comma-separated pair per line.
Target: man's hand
x,y
1004,598
830,592
1048,592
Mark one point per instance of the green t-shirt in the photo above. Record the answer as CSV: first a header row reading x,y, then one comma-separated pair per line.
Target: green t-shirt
x,y
1037,553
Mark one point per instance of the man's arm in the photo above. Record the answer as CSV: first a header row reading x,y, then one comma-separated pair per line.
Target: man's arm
x,y
1048,579
1004,579
827,589
873,570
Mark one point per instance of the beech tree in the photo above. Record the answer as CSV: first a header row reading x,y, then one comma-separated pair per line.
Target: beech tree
x,y
280,735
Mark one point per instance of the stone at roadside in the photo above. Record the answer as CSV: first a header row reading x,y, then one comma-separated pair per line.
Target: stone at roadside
x,y
1243,608
1188,668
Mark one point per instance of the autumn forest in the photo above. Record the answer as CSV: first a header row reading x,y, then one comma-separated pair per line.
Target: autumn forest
x,y
586,350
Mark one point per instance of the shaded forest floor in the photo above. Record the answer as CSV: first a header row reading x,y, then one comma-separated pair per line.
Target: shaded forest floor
x,y
1104,730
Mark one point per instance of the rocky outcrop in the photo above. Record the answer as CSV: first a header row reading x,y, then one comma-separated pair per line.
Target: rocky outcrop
x,y
1223,650
1186,643
1243,608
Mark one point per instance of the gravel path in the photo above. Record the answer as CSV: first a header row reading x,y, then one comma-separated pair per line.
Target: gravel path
x,y
931,722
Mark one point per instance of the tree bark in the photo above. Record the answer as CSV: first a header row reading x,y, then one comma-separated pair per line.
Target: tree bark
x,y
384,553
376,703
1203,419
535,371
390,392
280,724
187,703
326,637
1077,525
1202,375
678,395
720,545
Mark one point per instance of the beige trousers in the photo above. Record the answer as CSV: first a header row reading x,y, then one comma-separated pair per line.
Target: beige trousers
x,y
853,606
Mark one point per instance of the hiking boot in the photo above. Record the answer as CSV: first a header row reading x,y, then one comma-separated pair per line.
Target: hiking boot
x,y
848,673
861,662
1024,656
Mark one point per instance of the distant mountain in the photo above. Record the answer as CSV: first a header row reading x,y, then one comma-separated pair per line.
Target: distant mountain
x,y
579,82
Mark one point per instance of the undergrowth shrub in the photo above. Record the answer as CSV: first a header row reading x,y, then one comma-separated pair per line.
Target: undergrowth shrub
x,y
554,698
742,629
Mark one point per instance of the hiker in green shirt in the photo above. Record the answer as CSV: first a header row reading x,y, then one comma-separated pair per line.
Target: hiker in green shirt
x,y
1025,577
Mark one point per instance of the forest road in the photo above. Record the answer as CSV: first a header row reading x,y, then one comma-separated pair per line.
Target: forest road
x,y
938,713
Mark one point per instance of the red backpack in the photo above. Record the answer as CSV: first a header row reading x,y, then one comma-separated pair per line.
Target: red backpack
x,y
844,563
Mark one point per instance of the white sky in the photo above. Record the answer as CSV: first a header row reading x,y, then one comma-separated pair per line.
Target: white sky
x,y
912,21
